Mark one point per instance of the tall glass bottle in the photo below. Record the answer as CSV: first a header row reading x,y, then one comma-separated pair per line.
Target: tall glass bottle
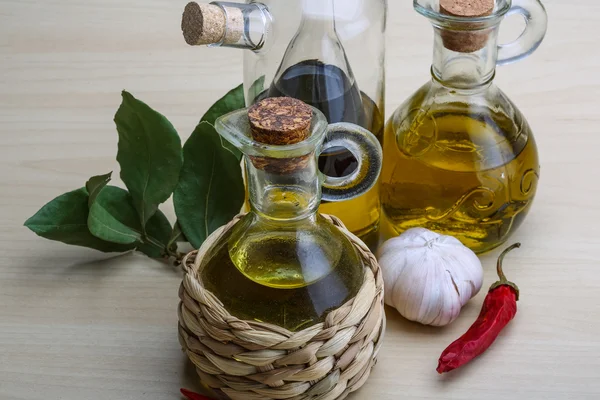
x,y
283,263
328,53
459,157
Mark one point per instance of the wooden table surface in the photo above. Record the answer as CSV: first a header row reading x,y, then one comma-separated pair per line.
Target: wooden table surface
x,y
77,324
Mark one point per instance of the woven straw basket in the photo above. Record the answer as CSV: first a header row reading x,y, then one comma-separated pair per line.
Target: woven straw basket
x,y
249,360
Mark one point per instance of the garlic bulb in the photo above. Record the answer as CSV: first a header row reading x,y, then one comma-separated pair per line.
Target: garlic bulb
x,y
429,277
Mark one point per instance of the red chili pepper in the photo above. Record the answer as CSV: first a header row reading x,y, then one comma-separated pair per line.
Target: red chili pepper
x,y
193,396
499,308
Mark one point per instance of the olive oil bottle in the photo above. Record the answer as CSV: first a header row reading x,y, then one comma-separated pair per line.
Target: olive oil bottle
x,y
283,263
459,157
475,181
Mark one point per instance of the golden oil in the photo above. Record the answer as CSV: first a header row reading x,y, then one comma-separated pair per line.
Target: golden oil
x,y
286,273
361,215
458,171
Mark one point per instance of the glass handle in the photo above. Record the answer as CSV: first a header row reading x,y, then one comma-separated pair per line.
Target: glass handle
x,y
536,21
365,148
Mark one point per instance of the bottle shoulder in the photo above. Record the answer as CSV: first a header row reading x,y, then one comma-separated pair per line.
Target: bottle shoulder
x,y
474,130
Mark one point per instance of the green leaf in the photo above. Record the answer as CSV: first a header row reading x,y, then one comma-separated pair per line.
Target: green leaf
x,y
113,217
149,155
233,100
256,89
64,219
103,225
177,236
211,189
95,184
158,233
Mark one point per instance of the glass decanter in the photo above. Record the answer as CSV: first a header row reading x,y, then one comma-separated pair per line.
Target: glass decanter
x,y
459,157
327,53
283,263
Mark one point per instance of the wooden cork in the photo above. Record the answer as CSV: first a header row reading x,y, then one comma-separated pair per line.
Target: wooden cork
x,y
204,24
466,41
280,121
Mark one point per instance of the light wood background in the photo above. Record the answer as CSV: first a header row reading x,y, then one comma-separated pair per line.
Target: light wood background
x,y
75,324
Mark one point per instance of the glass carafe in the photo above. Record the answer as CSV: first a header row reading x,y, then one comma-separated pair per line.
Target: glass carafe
x,y
459,157
283,263
327,53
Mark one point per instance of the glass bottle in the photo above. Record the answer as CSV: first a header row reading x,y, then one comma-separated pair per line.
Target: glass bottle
x,y
283,263
459,157
327,53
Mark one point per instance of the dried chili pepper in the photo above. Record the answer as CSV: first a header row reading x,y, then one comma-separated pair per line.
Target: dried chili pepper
x,y
193,396
499,308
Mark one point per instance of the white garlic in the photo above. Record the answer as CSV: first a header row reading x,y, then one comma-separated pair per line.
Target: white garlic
x,y
429,277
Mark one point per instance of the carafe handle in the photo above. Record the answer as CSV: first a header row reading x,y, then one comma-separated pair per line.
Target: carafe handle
x,y
365,147
536,21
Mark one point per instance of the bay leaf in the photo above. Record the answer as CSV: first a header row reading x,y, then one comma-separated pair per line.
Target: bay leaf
x,y
114,218
64,219
105,226
233,100
95,184
211,190
149,155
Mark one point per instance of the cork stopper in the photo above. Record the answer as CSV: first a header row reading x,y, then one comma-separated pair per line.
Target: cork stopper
x,y
280,121
466,41
204,24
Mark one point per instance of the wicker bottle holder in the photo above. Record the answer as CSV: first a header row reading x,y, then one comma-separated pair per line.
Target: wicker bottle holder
x,y
249,360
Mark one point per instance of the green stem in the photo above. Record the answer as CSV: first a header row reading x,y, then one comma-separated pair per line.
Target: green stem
x,y
503,281
501,259
176,255
147,239
154,242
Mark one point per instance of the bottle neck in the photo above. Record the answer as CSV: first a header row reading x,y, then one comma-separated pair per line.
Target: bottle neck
x,y
318,17
465,70
316,39
289,193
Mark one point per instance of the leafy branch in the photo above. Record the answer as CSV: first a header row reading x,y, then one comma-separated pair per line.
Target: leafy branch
x,y
204,176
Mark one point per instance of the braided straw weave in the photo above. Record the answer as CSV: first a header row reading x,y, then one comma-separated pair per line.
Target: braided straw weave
x,y
249,360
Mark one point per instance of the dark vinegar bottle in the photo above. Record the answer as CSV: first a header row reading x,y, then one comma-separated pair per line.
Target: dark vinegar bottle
x,y
315,69
329,89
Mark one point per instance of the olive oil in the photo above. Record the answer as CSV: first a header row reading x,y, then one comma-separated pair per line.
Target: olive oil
x,y
282,273
459,171
360,215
